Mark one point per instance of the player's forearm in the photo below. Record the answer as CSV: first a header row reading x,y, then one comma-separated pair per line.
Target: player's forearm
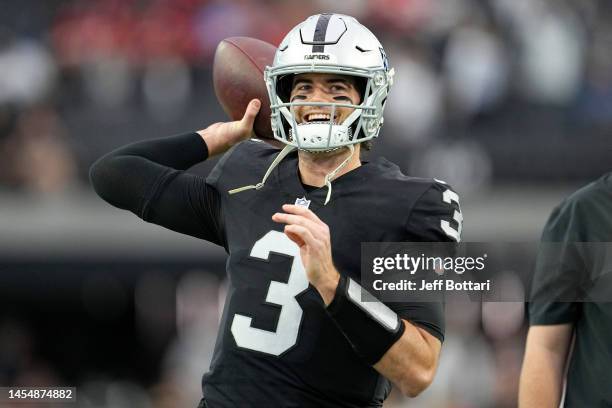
x,y
179,152
412,361
124,176
405,354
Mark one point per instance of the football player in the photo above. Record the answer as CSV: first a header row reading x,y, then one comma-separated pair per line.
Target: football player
x,y
294,330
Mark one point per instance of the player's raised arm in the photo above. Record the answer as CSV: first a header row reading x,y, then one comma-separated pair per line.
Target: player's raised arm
x,y
148,178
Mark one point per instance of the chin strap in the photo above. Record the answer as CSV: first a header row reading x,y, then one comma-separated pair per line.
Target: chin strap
x,y
330,176
283,153
286,150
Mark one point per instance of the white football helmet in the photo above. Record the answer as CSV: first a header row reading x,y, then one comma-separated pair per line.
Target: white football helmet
x,y
329,43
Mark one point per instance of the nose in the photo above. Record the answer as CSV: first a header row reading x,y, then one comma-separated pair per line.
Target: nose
x,y
319,94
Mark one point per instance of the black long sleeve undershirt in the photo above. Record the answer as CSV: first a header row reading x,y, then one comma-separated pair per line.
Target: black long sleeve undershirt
x,y
149,179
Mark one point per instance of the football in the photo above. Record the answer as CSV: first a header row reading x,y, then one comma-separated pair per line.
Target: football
x,y
238,77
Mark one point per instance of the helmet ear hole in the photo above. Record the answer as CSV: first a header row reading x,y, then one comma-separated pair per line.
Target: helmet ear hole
x,y
361,85
284,84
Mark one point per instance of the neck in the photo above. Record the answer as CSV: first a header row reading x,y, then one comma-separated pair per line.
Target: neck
x,y
315,166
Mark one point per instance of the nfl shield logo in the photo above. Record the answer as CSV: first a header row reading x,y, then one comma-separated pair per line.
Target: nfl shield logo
x,y
302,201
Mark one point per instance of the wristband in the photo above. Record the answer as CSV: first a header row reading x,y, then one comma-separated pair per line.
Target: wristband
x,y
371,327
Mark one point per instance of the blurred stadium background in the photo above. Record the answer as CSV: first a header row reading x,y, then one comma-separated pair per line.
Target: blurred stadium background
x,y
508,100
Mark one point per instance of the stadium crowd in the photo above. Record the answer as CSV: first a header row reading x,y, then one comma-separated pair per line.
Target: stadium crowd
x,y
488,92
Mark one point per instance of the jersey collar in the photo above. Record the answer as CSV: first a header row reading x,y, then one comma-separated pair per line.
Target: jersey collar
x,y
291,185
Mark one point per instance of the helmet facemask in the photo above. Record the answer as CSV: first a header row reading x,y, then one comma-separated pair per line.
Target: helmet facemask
x,y
361,125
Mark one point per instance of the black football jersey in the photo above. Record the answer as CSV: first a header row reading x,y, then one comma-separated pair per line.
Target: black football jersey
x,y
276,345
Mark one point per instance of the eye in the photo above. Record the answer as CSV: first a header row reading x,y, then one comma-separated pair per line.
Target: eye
x,y
338,88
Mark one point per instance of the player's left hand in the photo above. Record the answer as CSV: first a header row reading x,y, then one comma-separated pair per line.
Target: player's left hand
x,y
312,236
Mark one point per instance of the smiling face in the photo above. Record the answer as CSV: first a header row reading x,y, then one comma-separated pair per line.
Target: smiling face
x,y
330,88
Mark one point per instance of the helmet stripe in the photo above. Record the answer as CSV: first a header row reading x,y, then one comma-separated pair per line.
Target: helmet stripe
x,y
320,32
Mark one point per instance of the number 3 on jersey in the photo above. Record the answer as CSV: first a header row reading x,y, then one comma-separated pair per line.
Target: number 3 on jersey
x,y
449,196
279,293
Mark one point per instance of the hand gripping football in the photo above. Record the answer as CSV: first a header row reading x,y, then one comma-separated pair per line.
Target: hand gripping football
x,y
238,77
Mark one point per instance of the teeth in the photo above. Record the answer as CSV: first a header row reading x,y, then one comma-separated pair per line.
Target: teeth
x,y
319,123
317,116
